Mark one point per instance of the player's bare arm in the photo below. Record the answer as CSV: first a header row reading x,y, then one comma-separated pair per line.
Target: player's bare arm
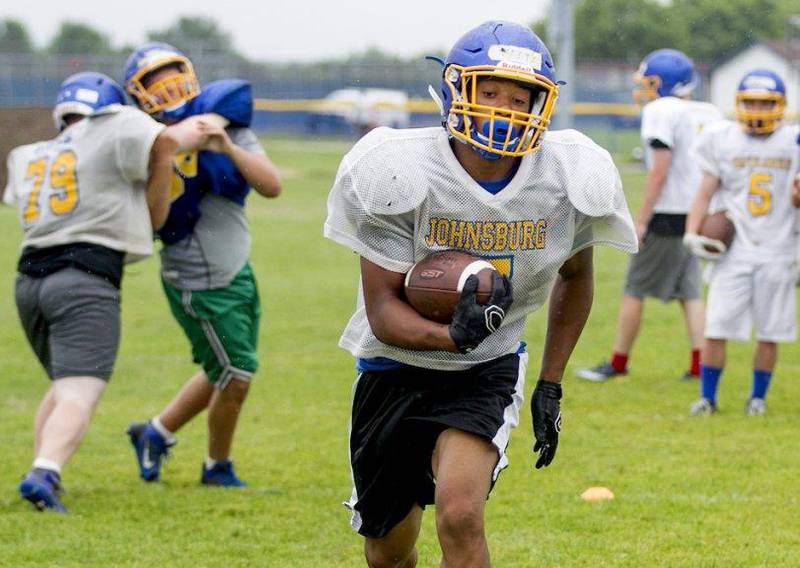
x,y
570,302
708,187
392,319
181,137
259,171
159,181
656,177
795,191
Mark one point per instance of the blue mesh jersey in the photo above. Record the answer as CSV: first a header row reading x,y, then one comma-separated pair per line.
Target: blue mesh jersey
x,y
198,174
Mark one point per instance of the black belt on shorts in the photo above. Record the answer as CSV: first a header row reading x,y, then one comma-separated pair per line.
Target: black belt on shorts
x,y
667,224
90,258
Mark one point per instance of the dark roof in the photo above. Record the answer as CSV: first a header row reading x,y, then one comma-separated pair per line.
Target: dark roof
x,y
789,49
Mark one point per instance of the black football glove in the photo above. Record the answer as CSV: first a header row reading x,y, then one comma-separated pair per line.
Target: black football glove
x,y
546,414
472,322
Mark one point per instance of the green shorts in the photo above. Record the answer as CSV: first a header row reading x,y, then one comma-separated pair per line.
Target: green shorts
x,y
222,326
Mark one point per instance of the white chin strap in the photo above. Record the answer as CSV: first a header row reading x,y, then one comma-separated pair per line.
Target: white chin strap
x,y
436,99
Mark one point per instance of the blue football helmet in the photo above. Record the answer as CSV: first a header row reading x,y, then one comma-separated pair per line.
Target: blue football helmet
x,y
760,101
498,50
165,98
84,93
664,73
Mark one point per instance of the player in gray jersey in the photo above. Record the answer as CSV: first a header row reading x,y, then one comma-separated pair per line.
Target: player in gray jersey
x,y
88,202
205,268
434,404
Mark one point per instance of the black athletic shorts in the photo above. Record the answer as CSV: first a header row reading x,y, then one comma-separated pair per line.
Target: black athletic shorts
x,y
397,418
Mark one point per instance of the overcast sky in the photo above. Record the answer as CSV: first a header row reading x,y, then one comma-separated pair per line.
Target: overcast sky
x,y
285,30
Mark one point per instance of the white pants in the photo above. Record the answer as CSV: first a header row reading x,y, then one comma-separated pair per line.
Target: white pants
x,y
744,292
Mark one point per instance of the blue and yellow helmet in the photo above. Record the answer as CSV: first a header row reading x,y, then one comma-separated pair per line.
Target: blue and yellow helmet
x,y
760,86
499,50
83,94
166,97
664,73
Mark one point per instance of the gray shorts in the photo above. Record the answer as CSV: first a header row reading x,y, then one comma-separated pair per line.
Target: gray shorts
x,y
71,319
664,269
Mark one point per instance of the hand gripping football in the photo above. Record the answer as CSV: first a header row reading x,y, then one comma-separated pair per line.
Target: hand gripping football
x,y
433,285
718,227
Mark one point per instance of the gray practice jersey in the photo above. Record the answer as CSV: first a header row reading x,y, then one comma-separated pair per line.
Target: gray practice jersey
x,y
87,184
220,244
401,194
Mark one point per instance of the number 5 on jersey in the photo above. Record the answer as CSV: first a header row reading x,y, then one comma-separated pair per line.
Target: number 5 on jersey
x,y
759,198
63,197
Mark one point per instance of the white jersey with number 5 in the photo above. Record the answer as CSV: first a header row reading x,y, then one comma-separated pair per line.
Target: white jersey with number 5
x,y
677,123
87,184
755,174
402,194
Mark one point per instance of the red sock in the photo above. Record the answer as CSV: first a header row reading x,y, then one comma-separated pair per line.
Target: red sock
x,y
694,368
619,361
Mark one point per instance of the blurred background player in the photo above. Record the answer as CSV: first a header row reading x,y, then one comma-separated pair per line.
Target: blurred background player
x,y
88,202
663,268
434,404
749,164
205,269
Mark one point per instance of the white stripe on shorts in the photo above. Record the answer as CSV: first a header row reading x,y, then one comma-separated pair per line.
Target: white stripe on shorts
x,y
510,418
355,518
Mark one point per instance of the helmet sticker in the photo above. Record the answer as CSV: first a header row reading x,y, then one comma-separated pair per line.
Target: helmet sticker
x,y
87,96
515,57
760,83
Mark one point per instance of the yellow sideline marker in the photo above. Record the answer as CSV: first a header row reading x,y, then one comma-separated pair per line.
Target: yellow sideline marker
x,y
597,494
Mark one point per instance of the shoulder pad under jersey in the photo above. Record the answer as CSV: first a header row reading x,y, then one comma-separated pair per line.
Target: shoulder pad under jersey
x,y
380,166
114,109
231,98
591,177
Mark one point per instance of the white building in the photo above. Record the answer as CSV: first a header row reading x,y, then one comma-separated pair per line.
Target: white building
x,y
782,57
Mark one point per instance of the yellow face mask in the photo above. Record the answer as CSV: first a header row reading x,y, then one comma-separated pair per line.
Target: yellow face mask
x,y
165,89
646,88
757,117
502,132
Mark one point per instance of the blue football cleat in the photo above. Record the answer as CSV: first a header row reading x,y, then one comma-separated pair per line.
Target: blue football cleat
x,y
221,475
42,488
151,448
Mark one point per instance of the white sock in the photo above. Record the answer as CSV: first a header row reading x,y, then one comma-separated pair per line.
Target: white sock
x,y
168,436
210,463
49,465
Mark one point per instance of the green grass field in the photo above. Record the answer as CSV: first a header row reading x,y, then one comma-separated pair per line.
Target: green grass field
x,y
689,492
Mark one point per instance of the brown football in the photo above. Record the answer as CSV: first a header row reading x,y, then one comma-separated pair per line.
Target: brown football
x,y
433,285
718,226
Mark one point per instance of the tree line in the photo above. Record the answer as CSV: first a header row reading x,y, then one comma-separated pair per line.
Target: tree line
x,y
706,30
605,30
196,36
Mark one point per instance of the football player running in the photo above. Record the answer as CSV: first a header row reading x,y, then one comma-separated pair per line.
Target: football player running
x,y
205,270
88,201
749,164
663,268
434,404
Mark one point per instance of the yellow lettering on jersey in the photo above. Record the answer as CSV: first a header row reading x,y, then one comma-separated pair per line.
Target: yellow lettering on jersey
x,y
185,167
64,181
761,162
36,172
486,236
759,198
